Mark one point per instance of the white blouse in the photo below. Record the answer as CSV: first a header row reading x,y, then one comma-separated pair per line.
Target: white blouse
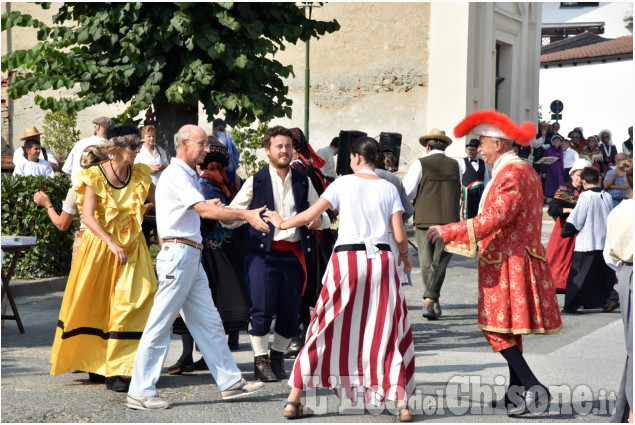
x,y
158,157
365,207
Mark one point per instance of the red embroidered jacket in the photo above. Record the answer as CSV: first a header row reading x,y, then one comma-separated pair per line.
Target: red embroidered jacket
x,y
515,289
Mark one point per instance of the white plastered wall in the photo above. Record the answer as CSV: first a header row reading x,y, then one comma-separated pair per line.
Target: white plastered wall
x,y
462,64
595,96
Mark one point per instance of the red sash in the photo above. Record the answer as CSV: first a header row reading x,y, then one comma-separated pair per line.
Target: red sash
x,y
296,249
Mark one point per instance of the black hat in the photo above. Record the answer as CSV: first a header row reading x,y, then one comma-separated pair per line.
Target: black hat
x,y
122,130
217,153
473,143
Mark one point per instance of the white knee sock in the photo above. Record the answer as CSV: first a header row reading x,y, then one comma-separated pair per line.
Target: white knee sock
x,y
260,345
280,343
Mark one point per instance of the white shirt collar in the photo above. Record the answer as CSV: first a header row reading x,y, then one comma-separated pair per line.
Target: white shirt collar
x,y
273,172
435,151
190,171
503,160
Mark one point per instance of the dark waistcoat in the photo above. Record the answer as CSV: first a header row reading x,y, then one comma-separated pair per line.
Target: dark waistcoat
x,y
471,175
439,193
263,195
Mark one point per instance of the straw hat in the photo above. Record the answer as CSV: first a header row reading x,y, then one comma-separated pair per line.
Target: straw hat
x,y
30,132
435,134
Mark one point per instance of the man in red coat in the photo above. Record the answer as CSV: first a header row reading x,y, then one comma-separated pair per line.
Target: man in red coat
x,y
516,294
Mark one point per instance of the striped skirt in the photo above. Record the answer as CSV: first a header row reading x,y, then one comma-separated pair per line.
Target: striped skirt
x,y
359,341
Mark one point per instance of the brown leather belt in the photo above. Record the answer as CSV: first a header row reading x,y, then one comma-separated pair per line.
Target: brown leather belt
x,y
184,242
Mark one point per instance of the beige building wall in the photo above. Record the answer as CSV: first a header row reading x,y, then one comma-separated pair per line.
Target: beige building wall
x,y
392,67
24,112
371,75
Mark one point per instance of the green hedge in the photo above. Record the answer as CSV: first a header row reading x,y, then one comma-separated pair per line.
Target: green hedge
x,y
21,216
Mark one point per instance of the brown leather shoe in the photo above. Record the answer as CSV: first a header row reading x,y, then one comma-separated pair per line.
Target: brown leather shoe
x,y
277,364
262,369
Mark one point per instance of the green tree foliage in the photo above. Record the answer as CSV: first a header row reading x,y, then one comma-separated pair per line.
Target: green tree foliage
x,y
248,140
170,55
23,217
60,131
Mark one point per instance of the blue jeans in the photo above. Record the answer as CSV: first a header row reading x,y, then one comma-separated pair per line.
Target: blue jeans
x,y
183,287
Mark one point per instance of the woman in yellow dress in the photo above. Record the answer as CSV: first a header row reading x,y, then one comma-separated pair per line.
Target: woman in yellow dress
x,y
111,285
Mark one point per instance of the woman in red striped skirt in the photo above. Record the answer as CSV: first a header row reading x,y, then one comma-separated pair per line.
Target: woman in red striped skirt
x,y
359,340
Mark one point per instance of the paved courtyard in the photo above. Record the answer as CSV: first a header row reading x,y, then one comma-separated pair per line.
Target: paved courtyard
x,y
456,371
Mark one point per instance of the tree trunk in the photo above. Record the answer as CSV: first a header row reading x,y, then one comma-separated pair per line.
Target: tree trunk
x,y
170,117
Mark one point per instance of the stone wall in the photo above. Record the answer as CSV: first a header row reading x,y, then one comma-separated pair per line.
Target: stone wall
x,y
371,75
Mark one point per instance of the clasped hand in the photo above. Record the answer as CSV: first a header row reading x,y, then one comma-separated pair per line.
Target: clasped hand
x,y
274,218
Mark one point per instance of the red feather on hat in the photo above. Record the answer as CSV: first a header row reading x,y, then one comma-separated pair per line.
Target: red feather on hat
x,y
522,134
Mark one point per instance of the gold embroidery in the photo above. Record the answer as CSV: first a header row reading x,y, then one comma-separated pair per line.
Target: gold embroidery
x,y
471,252
534,254
520,331
488,260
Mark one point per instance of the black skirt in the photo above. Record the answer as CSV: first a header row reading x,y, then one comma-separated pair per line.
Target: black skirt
x,y
223,267
590,281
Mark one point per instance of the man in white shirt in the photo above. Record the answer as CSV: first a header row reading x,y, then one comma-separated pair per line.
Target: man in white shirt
x,y
183,284
474,178
45,154
434,183
328,154
277,269
33,165
72,165
569,156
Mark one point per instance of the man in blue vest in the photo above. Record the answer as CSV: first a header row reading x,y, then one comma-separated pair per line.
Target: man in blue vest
x,y
277,270
474,178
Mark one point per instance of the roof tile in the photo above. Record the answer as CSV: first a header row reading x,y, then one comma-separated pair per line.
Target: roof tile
x,y
614,47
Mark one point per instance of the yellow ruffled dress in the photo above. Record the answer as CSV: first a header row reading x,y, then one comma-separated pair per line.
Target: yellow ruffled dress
x,y
106,306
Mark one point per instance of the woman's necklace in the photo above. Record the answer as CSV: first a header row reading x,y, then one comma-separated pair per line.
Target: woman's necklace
x,y
115,173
